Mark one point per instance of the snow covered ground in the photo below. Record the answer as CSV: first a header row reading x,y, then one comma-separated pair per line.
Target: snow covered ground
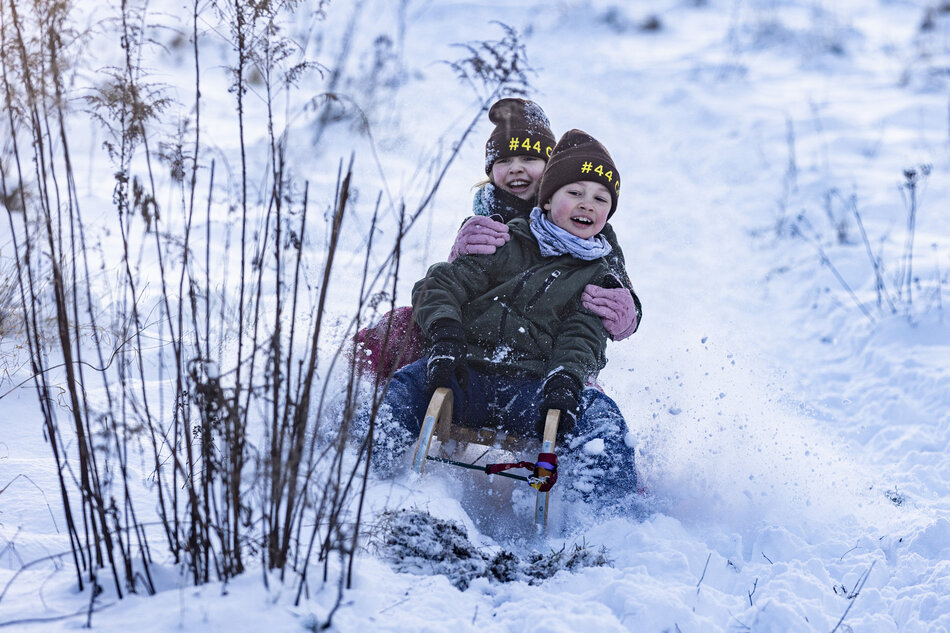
x,y
795,450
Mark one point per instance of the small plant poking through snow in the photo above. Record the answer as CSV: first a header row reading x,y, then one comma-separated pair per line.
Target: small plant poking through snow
x,y
894,292
415,542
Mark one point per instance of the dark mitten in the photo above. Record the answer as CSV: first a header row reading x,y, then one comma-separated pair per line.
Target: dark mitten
x,y
561,391
446,355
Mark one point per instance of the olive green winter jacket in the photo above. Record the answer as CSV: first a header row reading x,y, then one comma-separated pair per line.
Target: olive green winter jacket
x,y
521,312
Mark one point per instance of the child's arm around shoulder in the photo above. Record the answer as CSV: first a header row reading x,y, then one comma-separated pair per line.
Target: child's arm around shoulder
x,y
620,311
479,235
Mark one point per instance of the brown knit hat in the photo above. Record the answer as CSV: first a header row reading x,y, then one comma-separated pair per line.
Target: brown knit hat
x,y
579,156
521,129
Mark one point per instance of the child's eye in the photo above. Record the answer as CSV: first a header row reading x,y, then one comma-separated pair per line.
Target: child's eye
x,y
601,199
503,161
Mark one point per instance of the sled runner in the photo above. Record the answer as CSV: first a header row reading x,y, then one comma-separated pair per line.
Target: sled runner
x,y
438,423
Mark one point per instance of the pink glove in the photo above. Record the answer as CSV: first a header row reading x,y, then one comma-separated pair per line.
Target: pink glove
x,y
479,236
615,306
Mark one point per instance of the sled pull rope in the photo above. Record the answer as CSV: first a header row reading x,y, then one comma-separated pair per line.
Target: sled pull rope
x,y
543,473
483,469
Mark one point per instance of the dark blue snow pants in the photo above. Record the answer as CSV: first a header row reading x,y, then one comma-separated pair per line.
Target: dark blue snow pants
x,y
594,459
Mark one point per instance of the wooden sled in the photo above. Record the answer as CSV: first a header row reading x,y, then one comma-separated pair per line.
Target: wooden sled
x,y
438,423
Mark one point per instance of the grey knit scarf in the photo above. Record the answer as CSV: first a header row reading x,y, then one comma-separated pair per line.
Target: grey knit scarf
x,y
554,240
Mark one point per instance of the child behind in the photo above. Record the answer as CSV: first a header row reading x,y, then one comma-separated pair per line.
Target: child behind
x,y
508,332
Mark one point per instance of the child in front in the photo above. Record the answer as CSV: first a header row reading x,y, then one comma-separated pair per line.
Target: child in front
x,y
509,334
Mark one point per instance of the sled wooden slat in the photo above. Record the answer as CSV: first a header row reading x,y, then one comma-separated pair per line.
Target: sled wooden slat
x,y
547,446
486,437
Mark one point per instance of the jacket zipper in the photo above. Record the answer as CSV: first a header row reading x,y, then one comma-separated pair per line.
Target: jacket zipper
x,y
544,287
522,282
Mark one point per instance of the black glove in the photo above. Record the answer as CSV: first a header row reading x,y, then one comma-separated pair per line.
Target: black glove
x,y
561,391
446,354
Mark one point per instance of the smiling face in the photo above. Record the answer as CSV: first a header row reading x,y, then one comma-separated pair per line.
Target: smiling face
x,y
580,208
518,175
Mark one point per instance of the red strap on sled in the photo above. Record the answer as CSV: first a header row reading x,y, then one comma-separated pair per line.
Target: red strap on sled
x,y
492,469
543,473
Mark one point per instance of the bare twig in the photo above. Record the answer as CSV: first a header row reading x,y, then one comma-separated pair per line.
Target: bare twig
x,y
706,566
854,595
796,230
